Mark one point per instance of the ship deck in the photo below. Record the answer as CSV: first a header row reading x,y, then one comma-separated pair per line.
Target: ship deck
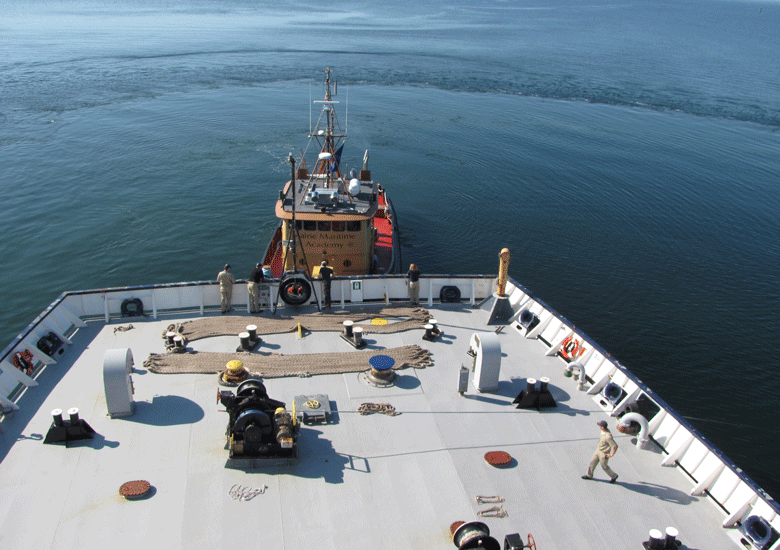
x,y
376,481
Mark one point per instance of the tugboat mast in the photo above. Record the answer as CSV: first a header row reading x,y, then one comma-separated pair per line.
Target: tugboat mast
x,y
328,161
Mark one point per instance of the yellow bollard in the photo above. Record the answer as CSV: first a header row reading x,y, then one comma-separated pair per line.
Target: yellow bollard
x,y
300,331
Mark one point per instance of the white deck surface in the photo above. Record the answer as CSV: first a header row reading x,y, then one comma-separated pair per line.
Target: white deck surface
x,y
360,482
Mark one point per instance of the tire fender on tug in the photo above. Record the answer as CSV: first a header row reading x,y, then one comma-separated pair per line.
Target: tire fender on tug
x,y
295,289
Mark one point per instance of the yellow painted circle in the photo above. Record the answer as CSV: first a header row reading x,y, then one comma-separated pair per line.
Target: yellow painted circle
x,y
313,404
378,321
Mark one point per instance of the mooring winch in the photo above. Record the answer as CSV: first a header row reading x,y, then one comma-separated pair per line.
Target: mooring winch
x,y
258,427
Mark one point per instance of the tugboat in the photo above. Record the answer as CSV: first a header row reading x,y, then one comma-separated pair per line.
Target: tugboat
x,y
326,215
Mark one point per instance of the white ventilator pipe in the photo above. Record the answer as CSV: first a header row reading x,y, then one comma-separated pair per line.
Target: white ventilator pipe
x,y
644,429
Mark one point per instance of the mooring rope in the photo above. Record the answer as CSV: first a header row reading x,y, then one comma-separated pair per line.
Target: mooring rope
x,y
276,365
411,318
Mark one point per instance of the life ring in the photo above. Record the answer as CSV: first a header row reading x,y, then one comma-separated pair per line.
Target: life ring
x,y
571,348
295,291
23,360
132,307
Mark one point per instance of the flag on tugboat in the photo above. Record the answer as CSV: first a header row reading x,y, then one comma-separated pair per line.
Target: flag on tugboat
x,y
334,166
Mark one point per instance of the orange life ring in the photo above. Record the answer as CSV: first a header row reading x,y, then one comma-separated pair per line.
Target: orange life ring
x,y
23,360
570,348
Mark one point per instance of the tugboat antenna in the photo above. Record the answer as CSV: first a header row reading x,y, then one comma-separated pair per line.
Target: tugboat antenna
x,y
294,231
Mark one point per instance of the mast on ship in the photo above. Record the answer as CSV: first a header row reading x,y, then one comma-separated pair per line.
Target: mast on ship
x,y
329,158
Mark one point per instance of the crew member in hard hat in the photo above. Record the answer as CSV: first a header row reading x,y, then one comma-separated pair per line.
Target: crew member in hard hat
x,y
605,450
226,281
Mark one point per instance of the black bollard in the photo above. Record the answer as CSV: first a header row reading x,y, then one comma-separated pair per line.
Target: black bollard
x,y
57,414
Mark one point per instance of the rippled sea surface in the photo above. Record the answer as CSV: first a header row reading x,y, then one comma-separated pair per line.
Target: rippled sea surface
x,y
626,153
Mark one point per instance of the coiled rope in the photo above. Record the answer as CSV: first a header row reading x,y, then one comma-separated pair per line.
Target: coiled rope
x,y
409,318
278,365
381,408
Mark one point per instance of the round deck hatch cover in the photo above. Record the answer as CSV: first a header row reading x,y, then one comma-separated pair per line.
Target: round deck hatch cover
x,y
498,458
133,490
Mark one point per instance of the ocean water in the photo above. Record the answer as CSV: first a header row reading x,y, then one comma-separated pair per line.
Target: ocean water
x,y
625,152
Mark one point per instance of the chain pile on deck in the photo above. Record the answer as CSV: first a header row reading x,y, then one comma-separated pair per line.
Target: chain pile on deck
x,y
277,365
411,318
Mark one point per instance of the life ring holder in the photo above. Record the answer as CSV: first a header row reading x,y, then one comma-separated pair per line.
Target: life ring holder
x,y
294,289
571,348
23,360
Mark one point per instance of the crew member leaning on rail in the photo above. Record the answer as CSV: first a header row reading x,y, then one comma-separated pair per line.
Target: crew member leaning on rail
x,y
226,280
325,274
255,278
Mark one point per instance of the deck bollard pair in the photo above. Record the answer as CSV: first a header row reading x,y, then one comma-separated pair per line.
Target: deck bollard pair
x,y
530,397
353,335
658,541
249,339
63,431
431,330
175,341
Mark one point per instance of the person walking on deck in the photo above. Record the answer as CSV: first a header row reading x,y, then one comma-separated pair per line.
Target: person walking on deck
x,y
226,281
605,450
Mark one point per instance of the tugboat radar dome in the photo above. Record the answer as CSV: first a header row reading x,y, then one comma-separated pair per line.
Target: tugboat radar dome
x,y
354,187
